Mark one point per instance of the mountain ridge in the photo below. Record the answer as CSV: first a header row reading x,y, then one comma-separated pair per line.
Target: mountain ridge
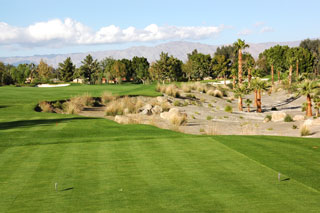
x,y
178,49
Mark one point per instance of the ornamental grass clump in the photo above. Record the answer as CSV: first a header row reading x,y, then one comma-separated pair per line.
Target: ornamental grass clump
x,y
186,87
228,108
77,104
172,90
304,131
106,97
288,118
125,105
45,106
178,119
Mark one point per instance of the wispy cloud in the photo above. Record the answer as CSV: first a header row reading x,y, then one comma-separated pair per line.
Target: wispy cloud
x,y
266,29
58,32
244,32
259,24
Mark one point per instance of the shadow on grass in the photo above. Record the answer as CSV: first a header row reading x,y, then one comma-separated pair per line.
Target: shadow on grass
x,y
3,106
287,179
41,122
67,189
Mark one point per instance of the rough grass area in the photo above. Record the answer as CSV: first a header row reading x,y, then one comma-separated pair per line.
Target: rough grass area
x,y
102,166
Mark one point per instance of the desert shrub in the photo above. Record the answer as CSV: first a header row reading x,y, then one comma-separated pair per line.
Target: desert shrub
x,y
210,105
172,90
193,117
185,103
85,99
215,92
185,87
268,118
45,106
190,95
72,107
57,105
288,118
294,126
158,87
165,106
304,131
123,105
228,108
178,119
176,103
106,97
209,117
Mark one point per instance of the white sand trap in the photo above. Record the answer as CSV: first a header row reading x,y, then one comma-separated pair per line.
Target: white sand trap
x,y
53,85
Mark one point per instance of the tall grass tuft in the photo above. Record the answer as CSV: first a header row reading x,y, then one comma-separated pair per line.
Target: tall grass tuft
x,y
106,97
304,131
45,106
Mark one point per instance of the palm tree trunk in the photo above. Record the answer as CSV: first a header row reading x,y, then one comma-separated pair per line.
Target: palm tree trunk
x,y
297,69
249,77
248,108
224,78
309,106
233,81
259,101
290,75
278,76
272,74
255,98
240,103
317,112
240,66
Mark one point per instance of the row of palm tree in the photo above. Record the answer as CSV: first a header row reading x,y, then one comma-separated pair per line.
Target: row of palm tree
x,y
311,89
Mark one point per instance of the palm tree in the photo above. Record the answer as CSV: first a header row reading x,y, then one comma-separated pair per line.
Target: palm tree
x,y
239,46
259,86
316,101
249,62
248,102
308,88
239,92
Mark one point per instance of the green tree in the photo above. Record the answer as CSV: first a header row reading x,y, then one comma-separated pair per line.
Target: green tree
x,y
200,65
313,46
44,70
140,66
90,69
106,67
239,46
220,66
118,71
66,70
130,73
248,102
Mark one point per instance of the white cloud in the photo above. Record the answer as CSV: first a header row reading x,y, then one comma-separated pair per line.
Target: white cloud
x,y
259,24
58,32
266,29
244,32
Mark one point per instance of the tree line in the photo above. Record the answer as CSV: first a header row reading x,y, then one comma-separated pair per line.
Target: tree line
x,y
228,62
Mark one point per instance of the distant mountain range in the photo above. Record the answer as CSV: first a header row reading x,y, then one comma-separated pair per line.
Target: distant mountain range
x,y
178,49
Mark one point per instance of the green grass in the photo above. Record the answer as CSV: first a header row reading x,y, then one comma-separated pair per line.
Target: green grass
x,y
101,166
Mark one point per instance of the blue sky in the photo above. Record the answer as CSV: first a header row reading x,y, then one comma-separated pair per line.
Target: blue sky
x,y
50,27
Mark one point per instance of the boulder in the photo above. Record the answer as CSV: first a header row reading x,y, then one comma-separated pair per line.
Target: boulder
x,y
147,106
121,119
278,116
168,115
146,112
156,109
161,99
298,118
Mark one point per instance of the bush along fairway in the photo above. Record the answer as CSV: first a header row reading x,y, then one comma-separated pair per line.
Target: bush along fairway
x,y
69,163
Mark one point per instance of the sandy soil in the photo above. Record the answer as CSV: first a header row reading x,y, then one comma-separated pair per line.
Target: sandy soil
x,y
209,117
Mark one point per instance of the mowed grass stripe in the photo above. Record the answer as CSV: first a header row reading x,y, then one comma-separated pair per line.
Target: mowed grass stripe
x,y
295,157
13,189
242,175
